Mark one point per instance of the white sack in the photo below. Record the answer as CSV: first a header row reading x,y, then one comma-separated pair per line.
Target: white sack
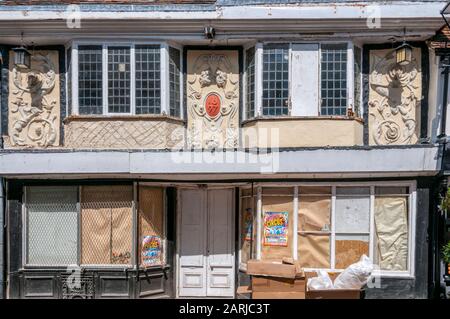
x,y
356,275
323,281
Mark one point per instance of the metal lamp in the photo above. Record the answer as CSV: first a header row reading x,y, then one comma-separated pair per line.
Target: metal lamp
x,y
22,57
403,54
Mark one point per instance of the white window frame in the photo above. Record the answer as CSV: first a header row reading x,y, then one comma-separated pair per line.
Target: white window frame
x,y
259,71
412,207
164,71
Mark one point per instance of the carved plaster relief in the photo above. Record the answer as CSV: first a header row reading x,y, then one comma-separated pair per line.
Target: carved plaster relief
x,y
213,98
394,98
34,102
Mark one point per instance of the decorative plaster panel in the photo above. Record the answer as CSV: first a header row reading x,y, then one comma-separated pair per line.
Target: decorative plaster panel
x,y
394,98
124,133
34,102
213,98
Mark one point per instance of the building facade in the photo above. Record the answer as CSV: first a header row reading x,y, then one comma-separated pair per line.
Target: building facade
x,y
149,147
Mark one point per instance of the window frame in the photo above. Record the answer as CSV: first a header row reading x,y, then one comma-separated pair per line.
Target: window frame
x,y
412,207
135,260
164,76
259,47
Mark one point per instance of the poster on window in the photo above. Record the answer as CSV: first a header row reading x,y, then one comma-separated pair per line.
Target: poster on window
x,y
276,228
151,250
248,224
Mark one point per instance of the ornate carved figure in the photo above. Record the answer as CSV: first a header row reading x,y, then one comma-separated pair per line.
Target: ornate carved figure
x,y
34,103
394,99
213,99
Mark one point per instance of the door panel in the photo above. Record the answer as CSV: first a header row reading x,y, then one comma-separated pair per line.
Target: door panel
x,y
220,273
206,261
192,244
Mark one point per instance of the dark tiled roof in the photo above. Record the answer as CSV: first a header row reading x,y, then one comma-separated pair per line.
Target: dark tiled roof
x,y
147,2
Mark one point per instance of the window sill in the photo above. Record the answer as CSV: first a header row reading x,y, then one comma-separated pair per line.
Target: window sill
x,y
140,117
304,118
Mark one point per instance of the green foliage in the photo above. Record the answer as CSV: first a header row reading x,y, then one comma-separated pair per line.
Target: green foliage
x,y
445,203
446,253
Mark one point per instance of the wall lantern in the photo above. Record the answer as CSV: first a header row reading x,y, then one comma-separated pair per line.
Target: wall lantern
x,y
210,32
22,57
403,54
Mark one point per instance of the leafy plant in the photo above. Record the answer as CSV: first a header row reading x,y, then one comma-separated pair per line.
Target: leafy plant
x,y
445,202
446,253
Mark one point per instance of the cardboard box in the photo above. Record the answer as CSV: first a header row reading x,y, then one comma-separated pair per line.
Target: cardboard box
x,y
278,288
331,293
271,268
278,295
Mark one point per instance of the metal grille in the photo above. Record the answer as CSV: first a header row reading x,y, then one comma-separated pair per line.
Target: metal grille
x,y
119,79
174,81
334,79
90,81
106,225
250,82
275,79
51,225
148,79
81,287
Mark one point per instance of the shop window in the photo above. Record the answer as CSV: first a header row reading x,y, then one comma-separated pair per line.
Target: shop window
x,y
314,227
277,225
51,225
352,225
151,226
106,224
391,226
247,226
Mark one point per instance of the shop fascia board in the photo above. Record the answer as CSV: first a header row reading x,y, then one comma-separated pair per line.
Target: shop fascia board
x,y
386,10
400,161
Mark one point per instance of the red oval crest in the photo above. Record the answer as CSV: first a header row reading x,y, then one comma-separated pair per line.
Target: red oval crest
x,y
212,105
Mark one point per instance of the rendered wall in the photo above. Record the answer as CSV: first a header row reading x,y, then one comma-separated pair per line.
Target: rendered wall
x,y
302,132
123,133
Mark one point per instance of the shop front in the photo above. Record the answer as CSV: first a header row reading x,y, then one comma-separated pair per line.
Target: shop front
x,y
136,239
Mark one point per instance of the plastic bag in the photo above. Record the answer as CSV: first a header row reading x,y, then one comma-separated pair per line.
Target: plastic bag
x,y
356,275
322,281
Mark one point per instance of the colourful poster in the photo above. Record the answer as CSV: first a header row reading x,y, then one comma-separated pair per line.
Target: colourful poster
x,y
248,224
276,228
151,250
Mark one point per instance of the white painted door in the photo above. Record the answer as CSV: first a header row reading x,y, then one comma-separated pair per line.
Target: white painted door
x,y
206,253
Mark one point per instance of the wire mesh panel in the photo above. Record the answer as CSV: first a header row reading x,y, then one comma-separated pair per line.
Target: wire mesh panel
x,y
90,81
275,79
51,225
148,79
106,224
334,79
119,74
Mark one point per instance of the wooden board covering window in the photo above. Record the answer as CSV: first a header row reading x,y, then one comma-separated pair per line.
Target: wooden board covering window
x,y
151,215
106,224
277,204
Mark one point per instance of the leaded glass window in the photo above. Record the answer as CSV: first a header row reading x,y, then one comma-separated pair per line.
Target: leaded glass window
x,y
333,79
275,97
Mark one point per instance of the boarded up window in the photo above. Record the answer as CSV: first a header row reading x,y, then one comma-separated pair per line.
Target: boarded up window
x,y
314,227
391,225
277,203
151,226
106,224
247,225
352,225
52,225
